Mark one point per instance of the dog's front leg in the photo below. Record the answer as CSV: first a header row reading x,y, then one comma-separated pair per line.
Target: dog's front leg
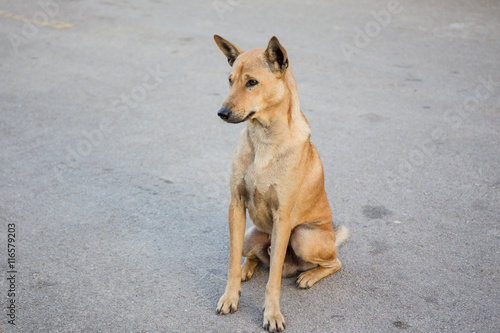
x,y
228,303
273,319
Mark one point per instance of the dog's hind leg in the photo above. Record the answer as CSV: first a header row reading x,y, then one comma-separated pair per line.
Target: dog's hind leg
x,y
315,243
255,249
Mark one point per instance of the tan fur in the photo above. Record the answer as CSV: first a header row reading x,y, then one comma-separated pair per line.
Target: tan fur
x,y
277,176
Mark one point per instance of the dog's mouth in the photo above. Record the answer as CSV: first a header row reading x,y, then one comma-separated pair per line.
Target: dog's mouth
x,y
237,121
249,116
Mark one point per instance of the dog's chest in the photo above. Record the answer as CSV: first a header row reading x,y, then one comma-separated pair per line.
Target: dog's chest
x,y
262,199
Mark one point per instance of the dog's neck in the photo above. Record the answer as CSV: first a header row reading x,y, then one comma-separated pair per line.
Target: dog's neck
x,y
281,126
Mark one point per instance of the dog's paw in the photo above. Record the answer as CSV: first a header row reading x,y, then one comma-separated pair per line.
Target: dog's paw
x,y
227,304
248,268
306,280
273,321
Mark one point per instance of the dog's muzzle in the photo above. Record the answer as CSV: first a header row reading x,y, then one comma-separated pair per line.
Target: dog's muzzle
x,y
227,115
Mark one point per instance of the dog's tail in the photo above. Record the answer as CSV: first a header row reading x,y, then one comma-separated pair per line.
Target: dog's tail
x,y
341,235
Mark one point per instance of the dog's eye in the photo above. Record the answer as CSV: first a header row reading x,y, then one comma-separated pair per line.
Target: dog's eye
x,y
251,83
230,82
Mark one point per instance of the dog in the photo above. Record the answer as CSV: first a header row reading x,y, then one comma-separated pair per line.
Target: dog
x,y
276,175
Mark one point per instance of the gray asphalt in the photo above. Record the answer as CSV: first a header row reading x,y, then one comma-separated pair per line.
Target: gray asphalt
x,y
114,166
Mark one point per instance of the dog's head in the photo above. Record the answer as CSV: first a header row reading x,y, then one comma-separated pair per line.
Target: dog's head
x,y
256,80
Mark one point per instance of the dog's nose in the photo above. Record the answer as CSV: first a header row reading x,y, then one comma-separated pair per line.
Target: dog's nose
x,y
224,113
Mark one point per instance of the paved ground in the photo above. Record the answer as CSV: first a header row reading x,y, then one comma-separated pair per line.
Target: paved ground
x,y
114,165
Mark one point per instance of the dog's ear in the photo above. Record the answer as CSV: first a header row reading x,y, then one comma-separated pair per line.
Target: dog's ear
x,y
230,50
276,55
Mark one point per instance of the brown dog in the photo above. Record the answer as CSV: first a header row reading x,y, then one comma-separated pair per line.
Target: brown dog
x,y
277,176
